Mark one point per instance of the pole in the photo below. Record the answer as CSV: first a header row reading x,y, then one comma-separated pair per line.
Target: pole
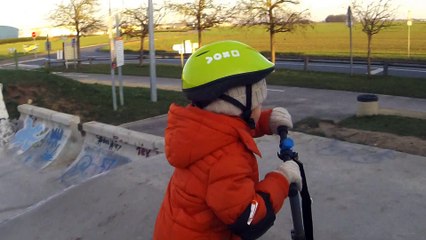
x,y
111,44
15,57
35,49
349,23
409,40
48,51
120,74
153,74
409,23
351,51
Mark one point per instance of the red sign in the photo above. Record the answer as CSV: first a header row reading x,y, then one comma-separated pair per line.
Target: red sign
x,y
34,34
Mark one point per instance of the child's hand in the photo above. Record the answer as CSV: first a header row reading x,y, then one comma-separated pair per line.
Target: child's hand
x,y
290,170
280,117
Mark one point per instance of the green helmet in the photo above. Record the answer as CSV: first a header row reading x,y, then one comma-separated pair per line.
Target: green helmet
x,y
219,66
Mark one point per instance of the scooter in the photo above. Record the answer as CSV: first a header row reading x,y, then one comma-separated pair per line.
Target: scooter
x,y
301,215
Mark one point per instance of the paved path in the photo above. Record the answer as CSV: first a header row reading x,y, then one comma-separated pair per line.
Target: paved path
x,y
359,192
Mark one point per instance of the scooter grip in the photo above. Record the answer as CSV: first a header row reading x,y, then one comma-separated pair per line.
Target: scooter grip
x,y
282,132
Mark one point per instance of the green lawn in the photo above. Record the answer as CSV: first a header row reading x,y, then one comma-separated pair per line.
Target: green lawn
x,y
89,101
409,87
401,126
56,43
324,39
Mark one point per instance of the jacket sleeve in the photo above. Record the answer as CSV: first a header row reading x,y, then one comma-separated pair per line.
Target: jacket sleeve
x,y
262,127
232,190
276,186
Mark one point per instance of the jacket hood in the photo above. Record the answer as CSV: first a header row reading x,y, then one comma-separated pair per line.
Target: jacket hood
x,y
193,133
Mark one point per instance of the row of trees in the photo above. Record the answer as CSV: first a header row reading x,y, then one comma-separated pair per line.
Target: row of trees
x,y
275,16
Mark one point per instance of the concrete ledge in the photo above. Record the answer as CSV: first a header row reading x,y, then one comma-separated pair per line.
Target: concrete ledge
x,y
49,115
125,135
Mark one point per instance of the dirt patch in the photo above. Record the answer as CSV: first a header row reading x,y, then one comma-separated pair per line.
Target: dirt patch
x,y
23,94
40,96
412,145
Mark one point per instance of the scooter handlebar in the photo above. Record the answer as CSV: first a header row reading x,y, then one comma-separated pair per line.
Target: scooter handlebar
x,y
286,153
282,132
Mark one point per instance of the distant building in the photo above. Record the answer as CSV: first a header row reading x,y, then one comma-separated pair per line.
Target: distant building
x,y
8,32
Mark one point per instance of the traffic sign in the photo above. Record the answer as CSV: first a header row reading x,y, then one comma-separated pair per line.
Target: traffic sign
x,y
349,17
119,51
34,35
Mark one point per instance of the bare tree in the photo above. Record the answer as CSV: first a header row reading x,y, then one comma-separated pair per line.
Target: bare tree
x,y
78,15
274,16
135,24
201,14
374,17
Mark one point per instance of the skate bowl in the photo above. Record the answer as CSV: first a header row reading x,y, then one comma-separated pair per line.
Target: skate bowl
x,y
52,151
45,136
106,147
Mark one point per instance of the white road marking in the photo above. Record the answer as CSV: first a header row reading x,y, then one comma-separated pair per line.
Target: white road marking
x,y
275,90
378,70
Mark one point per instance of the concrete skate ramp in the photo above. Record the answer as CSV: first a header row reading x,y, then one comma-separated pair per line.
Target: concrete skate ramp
x,y
106,147
41,161
43,137
3,111
39,142
359,192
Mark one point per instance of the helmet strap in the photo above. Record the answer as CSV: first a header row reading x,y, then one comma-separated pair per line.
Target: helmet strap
x,y
246,110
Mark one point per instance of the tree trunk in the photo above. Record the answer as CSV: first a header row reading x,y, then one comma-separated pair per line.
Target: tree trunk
x,y
272,45
142,39
77,45
199,37
369,55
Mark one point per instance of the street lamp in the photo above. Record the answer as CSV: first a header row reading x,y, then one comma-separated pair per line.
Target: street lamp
x,y
409,24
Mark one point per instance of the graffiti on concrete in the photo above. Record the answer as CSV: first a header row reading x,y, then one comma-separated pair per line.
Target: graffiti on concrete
x,y
32,133
41,154
53,142
111,143
146,152
7,130
92,161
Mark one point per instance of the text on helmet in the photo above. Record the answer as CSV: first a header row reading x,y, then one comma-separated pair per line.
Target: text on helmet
x,y
223,55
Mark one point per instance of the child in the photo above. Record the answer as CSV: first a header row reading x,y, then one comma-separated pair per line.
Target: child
x,y
215,192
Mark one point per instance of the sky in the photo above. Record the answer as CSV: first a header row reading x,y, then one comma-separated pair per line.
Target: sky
x,y
27,14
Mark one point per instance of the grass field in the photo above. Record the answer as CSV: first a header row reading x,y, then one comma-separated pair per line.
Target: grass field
x,y
401,126
55,41
324,39
92,102
409,87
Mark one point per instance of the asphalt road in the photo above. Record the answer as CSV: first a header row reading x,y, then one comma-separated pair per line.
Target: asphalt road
x,y
406,70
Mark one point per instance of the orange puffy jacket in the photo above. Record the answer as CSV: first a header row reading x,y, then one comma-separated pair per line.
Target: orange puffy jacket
x,y
216,175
